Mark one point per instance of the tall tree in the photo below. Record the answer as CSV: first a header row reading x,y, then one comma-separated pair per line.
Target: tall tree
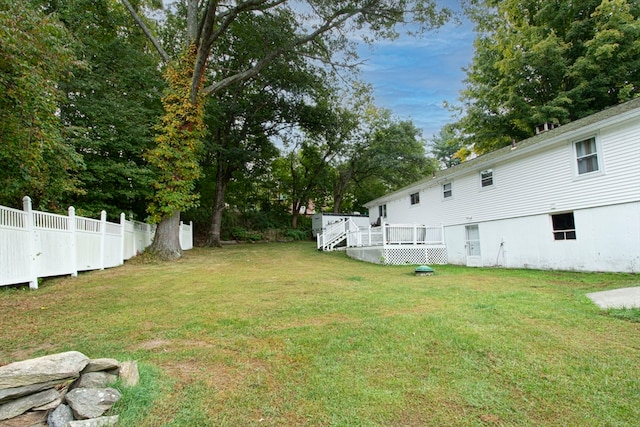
x,y
243,118
35,57
314,20
112,104
386,154
306,166
447,147
539,62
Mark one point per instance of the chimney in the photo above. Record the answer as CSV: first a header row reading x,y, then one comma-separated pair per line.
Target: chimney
x,y
545,127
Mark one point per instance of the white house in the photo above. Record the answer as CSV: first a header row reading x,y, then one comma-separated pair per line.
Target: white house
x,y
567,199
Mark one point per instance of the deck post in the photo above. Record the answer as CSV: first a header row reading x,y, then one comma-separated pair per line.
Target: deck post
x,y
384,234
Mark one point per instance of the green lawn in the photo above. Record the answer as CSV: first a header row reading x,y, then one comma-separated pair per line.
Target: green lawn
x,y
284,335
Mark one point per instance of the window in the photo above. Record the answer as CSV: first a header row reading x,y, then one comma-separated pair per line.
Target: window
x,y
382,211
587,156
564,227
446,190
486,177
415,198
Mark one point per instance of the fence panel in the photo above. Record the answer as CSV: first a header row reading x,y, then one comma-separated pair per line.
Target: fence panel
x,y
112,252
39,244
88,244
15,251
186,236
53,240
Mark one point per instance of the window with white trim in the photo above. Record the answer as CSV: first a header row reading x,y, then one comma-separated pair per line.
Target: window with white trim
x,y
415,198
564,226
447,190
486,177
587,156
382,211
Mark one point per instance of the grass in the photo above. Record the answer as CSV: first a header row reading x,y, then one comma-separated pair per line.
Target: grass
x,y
283,335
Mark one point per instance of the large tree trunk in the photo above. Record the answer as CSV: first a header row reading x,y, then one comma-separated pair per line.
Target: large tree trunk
x,y
213,238
295,213
166,242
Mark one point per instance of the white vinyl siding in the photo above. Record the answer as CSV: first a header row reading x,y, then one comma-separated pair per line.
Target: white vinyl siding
x,y
539,182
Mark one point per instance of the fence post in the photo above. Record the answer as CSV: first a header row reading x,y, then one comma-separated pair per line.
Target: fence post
x,y
103,231
123,220
415,234
33,277
74,241
134,236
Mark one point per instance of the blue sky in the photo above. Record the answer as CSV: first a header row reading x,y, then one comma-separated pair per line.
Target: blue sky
x,y
412,77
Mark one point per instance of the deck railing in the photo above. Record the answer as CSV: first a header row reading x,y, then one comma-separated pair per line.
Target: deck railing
x,y
335,233
396,234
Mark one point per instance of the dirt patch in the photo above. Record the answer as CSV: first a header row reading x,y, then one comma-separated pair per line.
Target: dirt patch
x,y
153,345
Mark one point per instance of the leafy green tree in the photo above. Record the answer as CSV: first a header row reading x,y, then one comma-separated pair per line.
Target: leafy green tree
x,y
35,57
112,104
538,62
385,155
306,167
447,147
244,118
321,22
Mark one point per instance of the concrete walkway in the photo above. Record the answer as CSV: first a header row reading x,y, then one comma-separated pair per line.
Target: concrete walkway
x,y
617,298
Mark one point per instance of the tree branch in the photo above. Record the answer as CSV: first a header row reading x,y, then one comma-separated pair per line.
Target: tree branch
x,y
334,21
146,31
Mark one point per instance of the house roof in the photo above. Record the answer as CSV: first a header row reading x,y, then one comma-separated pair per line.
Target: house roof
x,y
562,133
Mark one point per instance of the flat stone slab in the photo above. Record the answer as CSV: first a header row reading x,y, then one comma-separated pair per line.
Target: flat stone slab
x,y
617,298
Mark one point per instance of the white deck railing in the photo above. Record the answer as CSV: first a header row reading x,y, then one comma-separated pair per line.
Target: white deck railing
x,y
396,234
37,244
335,233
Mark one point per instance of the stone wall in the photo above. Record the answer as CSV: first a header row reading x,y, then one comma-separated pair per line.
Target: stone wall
x,y
62,390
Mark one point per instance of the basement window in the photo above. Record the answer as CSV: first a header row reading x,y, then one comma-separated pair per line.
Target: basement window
x,y
415,198
564,227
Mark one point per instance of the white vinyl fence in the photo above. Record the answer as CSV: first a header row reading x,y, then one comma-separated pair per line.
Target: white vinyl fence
x,y
37,244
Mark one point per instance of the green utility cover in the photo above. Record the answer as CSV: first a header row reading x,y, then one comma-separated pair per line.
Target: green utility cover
x,y
424,269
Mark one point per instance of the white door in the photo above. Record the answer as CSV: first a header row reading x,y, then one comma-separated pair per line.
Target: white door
x,y
474,257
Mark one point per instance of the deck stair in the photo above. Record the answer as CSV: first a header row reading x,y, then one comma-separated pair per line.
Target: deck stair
x,y
335,234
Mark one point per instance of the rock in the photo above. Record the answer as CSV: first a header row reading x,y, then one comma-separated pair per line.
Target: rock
x,y
13,393
96,365
95,422
60,416
42,369
94,380
91,402
31,419
129,374
23,404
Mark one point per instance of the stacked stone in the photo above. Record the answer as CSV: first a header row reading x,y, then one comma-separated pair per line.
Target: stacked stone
x,y
62,390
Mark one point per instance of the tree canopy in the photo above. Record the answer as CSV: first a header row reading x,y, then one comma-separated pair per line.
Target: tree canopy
x,y
35,58
538,62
